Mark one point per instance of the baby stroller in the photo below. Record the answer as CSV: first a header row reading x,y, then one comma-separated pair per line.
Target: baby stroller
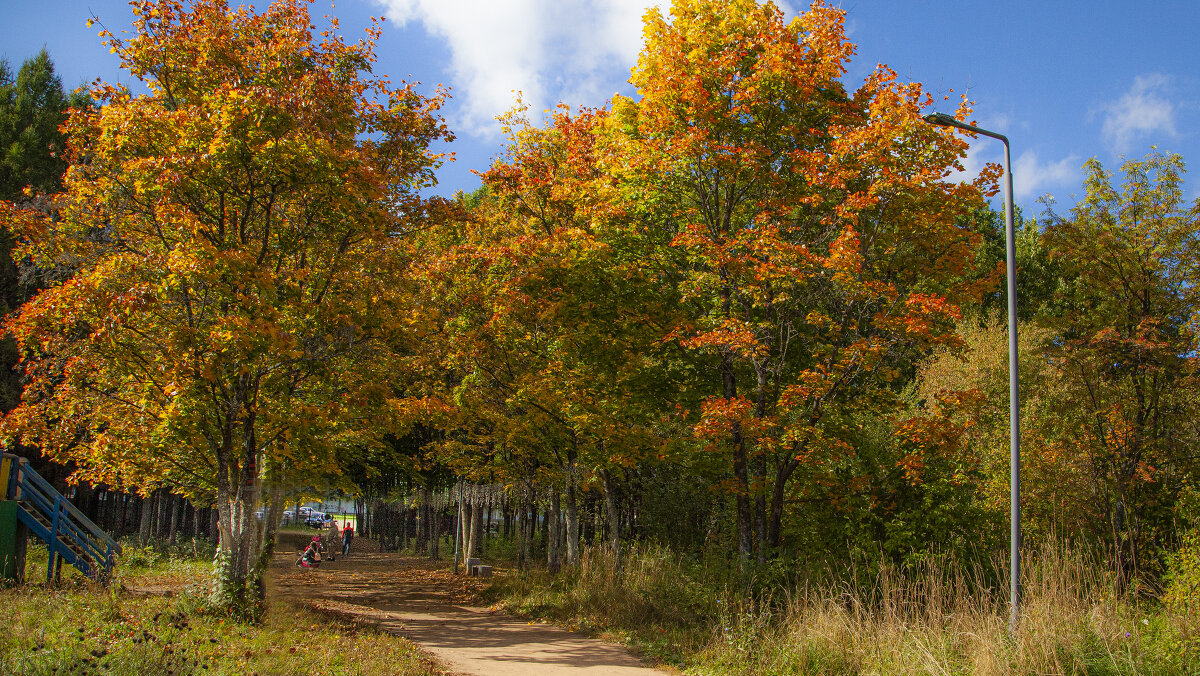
x,y
311,556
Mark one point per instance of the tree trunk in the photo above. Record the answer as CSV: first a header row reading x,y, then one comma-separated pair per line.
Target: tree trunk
x,y
572,514
745,520
436,531
477,530
123,501
525,533
506,516
145,508
553,515
162,515
760,526
244,548
185,520
422,528
464,526
544,527
85,500
107,514
176,513
360,516
778,494
152,502
387,527
404,526
239,586
612,515
487,520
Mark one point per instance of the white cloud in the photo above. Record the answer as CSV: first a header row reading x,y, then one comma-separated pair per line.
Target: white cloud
x,y
997,122
1032,177
576,51
1141,111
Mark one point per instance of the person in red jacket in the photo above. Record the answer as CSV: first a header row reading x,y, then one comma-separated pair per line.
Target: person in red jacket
x,y
347,536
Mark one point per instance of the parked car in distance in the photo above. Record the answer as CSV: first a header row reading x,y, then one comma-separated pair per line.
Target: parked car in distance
x,y
285,517
318,520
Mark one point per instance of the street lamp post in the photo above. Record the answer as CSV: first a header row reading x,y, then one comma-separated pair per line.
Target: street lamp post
x,y
1014,425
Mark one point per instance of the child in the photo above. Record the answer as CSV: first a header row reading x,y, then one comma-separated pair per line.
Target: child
x,y
311,558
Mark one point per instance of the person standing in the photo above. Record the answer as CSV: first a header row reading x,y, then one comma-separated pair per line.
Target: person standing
x,y
347,536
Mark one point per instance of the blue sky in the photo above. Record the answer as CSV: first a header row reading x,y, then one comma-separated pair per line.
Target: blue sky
x,y
1066,81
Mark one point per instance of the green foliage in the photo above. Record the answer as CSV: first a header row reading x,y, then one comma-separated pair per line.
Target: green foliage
x,y
867,509
32,107
696,526
1183,575
1038,273
137,554
1054,479
1125,346
235,593
32,155
237,305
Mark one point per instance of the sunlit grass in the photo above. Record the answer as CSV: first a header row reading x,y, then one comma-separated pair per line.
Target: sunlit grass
x,y
82,628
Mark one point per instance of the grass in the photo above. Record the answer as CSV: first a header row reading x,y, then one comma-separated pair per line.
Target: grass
x,y
935,618
659,605
82,628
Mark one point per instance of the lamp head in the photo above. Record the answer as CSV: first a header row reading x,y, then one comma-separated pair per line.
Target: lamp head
x,y
941,120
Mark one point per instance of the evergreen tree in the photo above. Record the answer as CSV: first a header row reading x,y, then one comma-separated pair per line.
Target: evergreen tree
x,y
32,106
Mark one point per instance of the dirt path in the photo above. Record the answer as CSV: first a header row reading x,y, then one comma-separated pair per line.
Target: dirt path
x,y
431,607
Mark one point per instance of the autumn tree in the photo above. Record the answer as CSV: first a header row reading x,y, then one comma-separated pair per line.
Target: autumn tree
x,y
957,432
554,318
238,234
1125,342
1108,381
820,240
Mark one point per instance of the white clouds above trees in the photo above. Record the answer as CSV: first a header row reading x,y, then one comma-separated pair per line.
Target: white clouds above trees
x,y
1143,111
576,51
1033,177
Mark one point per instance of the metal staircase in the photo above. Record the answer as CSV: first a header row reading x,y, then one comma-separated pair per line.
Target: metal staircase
x,y
70,536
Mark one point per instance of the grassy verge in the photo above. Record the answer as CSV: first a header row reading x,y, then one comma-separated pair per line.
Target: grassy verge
x,y
937,618
81,628
659,605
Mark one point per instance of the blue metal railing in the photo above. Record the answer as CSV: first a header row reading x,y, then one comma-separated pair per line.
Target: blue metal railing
x,y
70,536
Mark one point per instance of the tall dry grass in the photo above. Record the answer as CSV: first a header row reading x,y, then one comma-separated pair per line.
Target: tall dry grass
x,y
939,617
935,617
652,598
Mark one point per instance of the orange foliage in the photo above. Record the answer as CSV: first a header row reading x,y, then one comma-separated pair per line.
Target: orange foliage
x,y
236,236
